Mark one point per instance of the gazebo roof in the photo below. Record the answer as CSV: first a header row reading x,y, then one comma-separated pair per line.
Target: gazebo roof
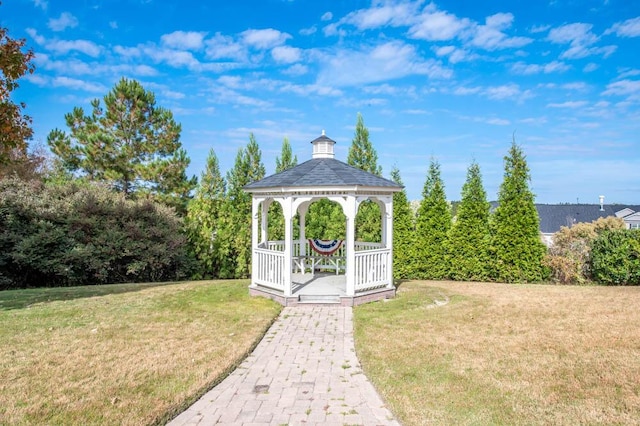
x,y
323,171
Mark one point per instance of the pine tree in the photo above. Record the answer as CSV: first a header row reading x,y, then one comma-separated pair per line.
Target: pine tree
x,y
469,237
363,155
285,161
432,226
403,231
130,143
235,227
516,245
203,218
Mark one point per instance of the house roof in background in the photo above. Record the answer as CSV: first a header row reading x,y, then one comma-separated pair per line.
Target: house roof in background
x,y
555,216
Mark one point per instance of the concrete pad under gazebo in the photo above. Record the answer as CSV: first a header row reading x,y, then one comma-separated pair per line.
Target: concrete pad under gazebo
x,y
285,271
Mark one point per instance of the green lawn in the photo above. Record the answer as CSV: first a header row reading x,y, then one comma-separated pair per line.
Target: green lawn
x,y
121,354
481,353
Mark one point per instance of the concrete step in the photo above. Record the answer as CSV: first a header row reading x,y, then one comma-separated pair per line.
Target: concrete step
x,y
319,298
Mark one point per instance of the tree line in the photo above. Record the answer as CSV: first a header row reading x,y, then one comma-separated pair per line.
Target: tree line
x,y
114,204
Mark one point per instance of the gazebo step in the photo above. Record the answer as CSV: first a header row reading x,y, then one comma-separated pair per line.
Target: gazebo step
x,y
319,298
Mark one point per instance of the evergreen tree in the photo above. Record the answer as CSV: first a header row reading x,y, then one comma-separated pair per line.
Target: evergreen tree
x,y
203,218
432,226
469,237
15,127
363,156
361,153
285,161
130,143
403,231
517,248
326,221
235,226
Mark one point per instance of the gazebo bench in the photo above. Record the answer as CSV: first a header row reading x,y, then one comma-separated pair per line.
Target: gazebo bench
x,y
336,263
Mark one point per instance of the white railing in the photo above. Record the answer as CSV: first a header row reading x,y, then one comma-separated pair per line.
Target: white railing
x,y
269,268
362,246
371,269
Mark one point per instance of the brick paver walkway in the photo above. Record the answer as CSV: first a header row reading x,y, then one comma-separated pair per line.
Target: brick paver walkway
x,y
304,371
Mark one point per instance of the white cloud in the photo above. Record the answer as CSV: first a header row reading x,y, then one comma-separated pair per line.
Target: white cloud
x,y
221,46
66,20
528,69
308,31
435,25
187,40
580,40
498,121
327,16
568,104
505,91
42,4
628,72
73,83
113,25
264,39
539,28
628,28
590,67
65,46
579,86
380,15
296,70
463,91
623,88
491,36
286,54
384,62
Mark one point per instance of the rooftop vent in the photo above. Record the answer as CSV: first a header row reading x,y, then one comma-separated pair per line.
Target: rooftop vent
x,y
601,197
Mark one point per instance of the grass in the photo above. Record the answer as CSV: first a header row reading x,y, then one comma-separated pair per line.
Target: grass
x,y
481,353
121,354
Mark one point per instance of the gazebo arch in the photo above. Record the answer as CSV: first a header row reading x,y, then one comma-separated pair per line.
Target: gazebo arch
x,y
362,271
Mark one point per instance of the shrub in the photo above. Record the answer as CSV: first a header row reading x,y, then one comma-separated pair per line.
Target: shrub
x,y
615,257
568,257
72,234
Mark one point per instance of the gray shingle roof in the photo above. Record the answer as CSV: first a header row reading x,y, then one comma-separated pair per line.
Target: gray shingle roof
x,y
322,172
554,216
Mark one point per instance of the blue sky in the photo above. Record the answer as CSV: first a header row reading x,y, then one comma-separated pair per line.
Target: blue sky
x,y
452,79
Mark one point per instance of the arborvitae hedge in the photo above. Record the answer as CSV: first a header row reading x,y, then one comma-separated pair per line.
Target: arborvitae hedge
x,y
469,237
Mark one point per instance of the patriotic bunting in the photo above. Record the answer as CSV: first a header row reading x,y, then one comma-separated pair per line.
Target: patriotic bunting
x,y
325,247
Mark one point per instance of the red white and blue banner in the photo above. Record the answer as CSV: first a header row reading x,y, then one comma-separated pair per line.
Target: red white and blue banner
x,y
325,247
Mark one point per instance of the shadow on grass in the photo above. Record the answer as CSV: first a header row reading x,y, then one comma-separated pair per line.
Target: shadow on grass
x,y
19,299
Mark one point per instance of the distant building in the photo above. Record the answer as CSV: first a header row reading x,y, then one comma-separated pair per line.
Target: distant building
x,y
555,216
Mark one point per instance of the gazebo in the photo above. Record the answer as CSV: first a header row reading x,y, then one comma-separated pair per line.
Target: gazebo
x,y
347,272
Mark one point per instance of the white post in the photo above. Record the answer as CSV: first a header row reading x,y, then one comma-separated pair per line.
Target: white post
x,y
302,211
350,213
255,205
388,214
288,244
264,225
